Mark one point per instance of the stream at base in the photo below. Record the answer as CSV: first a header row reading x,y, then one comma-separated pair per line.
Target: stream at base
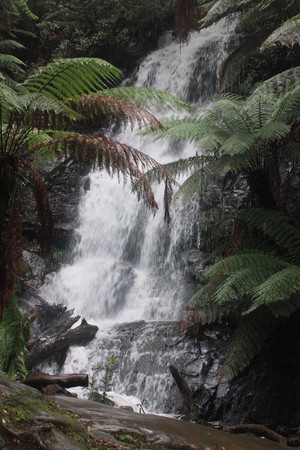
x,y
128,270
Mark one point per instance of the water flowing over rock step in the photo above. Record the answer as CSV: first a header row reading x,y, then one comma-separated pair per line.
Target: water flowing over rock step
x,y
160,430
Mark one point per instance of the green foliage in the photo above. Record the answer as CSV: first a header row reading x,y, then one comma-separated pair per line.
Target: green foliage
x,y
277,226
257,21
14,334
118,30
288,34
68,78
256,286
98,387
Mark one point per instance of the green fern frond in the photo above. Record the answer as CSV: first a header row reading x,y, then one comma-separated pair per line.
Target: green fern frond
x,y
13,341
23,8
68,78
238,143
273,131
285,309
293,150
221,8
277,288
207,309
147,97
8,98
241,261
288,34
187,128
279,84
42,112
7,45
10,62
185,166
275,225
240,283
258,110
246,342
288,106
199,180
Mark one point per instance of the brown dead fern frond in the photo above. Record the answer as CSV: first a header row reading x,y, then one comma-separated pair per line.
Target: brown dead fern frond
x,y
107,109
116,159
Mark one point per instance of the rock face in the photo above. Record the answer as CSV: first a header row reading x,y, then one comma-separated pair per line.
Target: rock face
x,y
65,183
266,394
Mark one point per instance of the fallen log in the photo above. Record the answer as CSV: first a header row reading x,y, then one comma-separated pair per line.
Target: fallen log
x,y
44,348
185,392
258,430
40,380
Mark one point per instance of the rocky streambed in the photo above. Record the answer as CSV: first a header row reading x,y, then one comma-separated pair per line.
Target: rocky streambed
x,y
32,421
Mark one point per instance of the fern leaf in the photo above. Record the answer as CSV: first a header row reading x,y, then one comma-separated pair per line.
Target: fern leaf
x,y
9,98
238,143
241,261
279,84
147,97
288,106
187,128
276,225
107,108
67,78
288,34
273,131
277,288
240,283
115,158
10,62
7,45
23,7
293,150
184,166
246,342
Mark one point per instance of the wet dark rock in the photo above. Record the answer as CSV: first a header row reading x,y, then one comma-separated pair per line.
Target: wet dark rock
x,y
65,183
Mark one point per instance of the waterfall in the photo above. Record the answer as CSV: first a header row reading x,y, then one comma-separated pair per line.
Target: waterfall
x,y
127,274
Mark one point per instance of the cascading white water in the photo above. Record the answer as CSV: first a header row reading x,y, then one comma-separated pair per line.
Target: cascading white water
x,y
128,265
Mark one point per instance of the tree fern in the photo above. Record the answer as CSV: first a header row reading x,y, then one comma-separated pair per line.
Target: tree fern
x,y
288,34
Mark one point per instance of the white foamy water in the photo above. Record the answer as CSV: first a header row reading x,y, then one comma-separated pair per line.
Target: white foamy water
x,y
128,265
